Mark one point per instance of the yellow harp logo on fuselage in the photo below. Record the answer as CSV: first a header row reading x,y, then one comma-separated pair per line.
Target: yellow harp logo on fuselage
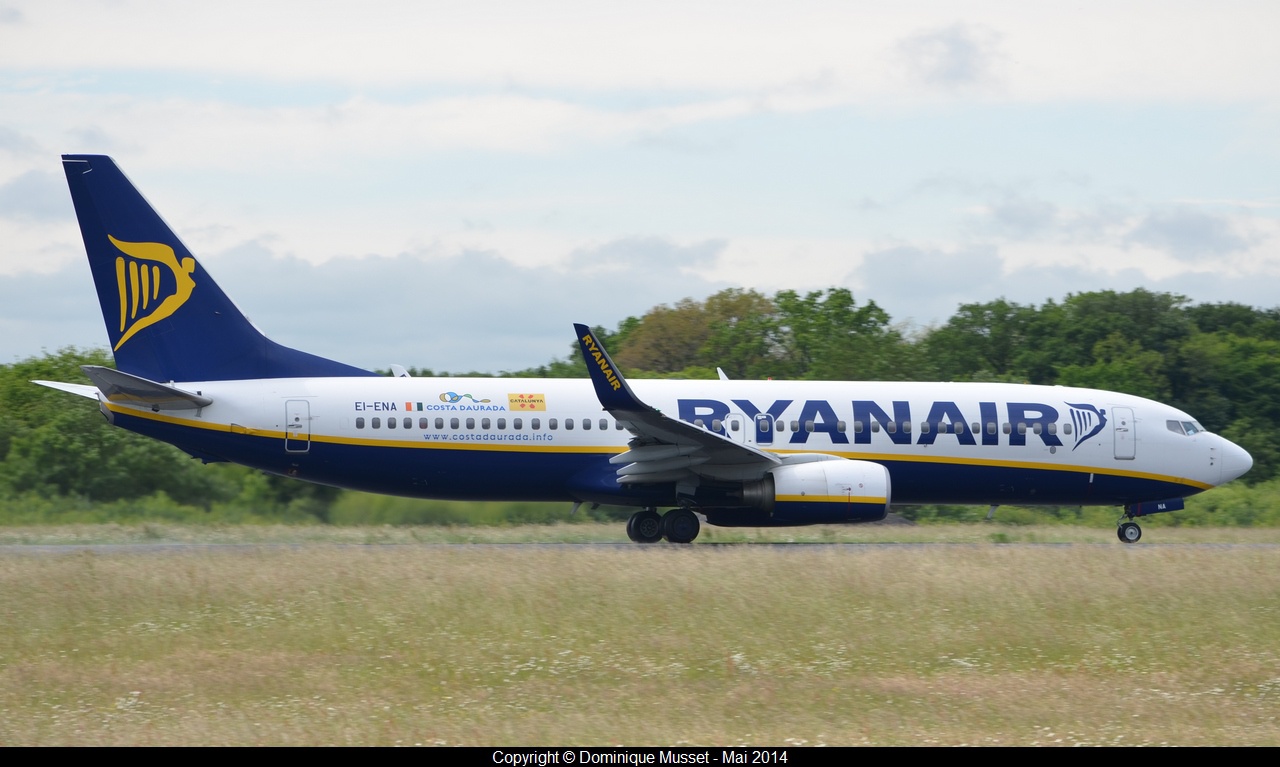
x,y
141,279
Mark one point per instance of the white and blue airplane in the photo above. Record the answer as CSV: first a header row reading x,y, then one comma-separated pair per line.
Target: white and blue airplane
x,y
192,371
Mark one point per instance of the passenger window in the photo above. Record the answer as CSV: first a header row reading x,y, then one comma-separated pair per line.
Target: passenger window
x,y
568,424
858,426
485,423
1022,428
359,423
604,424
502,423
906,427
471,423
959,427
517,423
376,423
408,422
763,425
840,426
453,423
535,423
733,426
924,427
808,426
586,424
1053,428
795,426
1037,427
875,427
975,427
1007,428
552,423
891,427
716,425
424,423
1066,428
699,423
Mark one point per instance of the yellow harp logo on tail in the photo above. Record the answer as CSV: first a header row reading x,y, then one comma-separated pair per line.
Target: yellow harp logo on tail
x,y
141,279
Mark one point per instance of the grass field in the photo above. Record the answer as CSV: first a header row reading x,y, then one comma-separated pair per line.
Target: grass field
x,y
313,640
607,532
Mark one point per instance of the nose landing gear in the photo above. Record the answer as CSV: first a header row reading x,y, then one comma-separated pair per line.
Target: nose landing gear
x,y
1129,532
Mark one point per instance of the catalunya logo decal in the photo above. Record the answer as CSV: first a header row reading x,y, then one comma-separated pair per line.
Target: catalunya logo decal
x,y
1088,420
517,402
151,283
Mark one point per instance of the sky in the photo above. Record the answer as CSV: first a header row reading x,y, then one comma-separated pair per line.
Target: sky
x,y
451,185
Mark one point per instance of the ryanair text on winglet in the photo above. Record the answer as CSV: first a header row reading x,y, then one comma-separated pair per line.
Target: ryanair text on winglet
x,y
601,361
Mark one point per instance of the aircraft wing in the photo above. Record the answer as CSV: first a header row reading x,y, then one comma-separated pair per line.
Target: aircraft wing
x,y
664,448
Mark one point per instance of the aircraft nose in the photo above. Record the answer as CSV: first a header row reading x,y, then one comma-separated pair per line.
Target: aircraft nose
x,y
1235,460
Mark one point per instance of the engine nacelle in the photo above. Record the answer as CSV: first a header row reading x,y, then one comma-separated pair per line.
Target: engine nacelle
x,y
822,491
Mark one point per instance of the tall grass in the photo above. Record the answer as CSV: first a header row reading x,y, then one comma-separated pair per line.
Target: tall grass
x,y
322,644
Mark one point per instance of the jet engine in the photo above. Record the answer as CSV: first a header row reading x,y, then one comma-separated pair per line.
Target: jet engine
x,y
822,491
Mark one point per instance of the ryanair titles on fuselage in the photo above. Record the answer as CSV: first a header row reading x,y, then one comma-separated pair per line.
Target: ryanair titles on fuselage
x,y
945,420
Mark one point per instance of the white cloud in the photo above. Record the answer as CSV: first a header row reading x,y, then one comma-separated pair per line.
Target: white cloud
x,y
953,57
514,167
1087,50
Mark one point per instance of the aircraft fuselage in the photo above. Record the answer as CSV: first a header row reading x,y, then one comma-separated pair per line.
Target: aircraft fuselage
x,y
546,439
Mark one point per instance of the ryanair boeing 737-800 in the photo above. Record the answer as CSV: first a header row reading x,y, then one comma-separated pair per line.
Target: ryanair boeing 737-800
x,y
192,371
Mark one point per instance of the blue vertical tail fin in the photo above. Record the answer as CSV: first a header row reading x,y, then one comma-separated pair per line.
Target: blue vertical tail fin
x,y
166,318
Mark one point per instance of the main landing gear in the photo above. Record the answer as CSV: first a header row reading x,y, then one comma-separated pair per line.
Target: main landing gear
x,y
676,526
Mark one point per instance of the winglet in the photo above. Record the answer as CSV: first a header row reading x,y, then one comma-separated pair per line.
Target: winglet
x,y
611,388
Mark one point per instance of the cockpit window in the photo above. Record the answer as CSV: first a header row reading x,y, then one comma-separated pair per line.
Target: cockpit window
x,y
1184,427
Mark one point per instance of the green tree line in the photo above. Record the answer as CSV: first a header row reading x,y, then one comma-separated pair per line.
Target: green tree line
x,y
1219,362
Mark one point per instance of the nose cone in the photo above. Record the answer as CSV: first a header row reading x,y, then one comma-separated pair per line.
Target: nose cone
x,y
1235,460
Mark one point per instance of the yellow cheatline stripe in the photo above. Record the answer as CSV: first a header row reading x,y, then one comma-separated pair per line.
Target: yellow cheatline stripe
x,y
878,500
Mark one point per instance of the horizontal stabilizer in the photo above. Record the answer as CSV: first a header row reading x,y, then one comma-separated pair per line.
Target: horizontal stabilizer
x,y
80,389
131,390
